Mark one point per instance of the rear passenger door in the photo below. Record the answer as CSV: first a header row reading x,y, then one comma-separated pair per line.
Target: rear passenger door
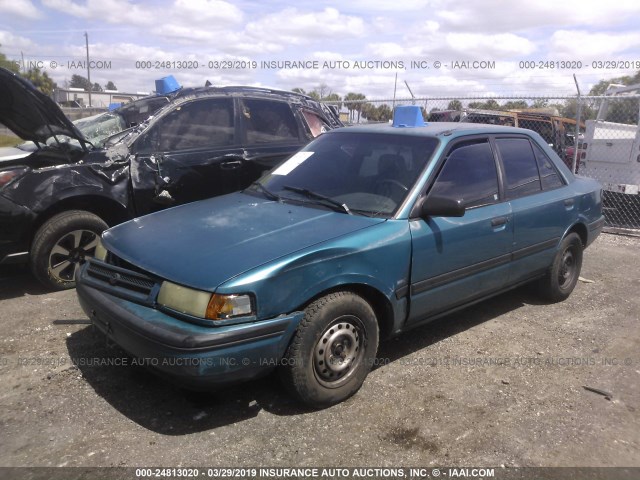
x,y
456,260
541,205
270,133
191,153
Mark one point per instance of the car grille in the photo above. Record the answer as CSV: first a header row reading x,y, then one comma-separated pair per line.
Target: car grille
x,y
122,282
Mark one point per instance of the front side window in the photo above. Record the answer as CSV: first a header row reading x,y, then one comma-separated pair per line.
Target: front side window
x,y
268,121
469,174
520,167
196,124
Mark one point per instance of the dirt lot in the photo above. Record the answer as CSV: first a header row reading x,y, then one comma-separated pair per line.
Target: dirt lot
x,y
498,384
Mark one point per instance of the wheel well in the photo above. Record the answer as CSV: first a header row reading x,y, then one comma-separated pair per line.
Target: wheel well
x,y
378,301
109,210
582,232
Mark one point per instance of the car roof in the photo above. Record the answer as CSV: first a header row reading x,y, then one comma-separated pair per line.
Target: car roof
x,y
238,90
435,129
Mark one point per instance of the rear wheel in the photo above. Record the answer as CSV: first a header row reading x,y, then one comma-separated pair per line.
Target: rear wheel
x,y
563,275
332,351
62,244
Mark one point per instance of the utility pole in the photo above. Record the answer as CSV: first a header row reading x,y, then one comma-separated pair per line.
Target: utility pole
x,y
24,68
86,38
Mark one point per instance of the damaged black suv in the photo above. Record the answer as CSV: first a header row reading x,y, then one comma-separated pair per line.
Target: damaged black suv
x,y
208,141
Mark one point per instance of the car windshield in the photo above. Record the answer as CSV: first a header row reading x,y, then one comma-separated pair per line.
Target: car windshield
x,y
98,128
352,172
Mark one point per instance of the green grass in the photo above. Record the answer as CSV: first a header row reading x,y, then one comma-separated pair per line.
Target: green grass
x,y
9,141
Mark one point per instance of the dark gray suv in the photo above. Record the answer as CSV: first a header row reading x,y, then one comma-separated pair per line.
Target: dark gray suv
x,y
206,142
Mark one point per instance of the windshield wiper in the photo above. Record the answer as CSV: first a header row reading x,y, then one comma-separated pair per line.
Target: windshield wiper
x,y
317,196
268,193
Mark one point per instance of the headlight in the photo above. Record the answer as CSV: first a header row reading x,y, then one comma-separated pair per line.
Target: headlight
x,y
204,304
7,176
100,252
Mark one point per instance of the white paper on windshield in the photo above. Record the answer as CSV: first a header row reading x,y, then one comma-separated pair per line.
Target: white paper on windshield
x,y
292,163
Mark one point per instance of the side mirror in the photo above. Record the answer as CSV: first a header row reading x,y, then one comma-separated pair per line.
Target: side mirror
x,y
435,206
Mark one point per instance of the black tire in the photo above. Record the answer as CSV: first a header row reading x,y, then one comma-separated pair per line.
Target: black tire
x,y
75,231
563,275
346,325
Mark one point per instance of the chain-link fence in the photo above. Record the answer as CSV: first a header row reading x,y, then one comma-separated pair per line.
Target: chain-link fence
x,y
596,136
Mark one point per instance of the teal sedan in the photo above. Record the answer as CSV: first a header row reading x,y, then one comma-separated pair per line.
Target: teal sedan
x,y
365,233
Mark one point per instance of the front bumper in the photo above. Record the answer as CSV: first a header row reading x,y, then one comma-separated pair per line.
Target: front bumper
x,y
15,223
191,355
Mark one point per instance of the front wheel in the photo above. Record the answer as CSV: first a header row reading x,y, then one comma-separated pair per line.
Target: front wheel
x,y
62,244
563,275
332,351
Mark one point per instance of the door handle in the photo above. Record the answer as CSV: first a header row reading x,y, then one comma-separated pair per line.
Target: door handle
x,y
496,222
569,202
231,165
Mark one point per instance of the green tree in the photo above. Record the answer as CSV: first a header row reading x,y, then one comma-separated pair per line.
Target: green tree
x,y
454,105
600,87
41,81
323,90
78,81
540,103
314,94
9,64
334,99
356,105
384,113
96,87
110,86
515,105
299,90
490,104
619,111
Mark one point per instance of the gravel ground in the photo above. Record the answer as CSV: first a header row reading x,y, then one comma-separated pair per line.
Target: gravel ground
x,y
500,383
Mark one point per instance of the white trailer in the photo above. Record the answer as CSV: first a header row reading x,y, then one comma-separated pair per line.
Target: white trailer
x,y
613,149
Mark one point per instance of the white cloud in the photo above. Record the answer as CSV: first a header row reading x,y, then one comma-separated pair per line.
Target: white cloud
x,y
20,8
496,16
112,11
291,26
11,41
197,16
481,46
588,46
387,6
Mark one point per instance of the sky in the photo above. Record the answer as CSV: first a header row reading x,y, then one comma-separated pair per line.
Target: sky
x,y
438,47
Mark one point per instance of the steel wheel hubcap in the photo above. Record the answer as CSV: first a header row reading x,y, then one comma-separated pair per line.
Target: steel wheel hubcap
x,y
567,268
69,252
339,351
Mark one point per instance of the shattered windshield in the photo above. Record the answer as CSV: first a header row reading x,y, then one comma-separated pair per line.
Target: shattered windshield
x,y
98,128
362,173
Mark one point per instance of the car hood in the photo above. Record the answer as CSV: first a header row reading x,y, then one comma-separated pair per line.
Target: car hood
x,y
206,243
14,153
29,113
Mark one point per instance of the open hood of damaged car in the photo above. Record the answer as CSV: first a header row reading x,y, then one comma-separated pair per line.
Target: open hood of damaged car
x,y
29,113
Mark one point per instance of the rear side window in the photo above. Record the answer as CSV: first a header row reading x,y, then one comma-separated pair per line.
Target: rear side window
x,y
548,174
200,123
315,123
520,167
267,121
469,174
